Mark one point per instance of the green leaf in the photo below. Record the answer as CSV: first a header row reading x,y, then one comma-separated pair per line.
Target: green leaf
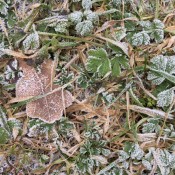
x,y
3,8
98,62
141,38
84,28
31,41
161,68
165,98
4,136
87,4
116,70
91,16
118,62
61,27
76,17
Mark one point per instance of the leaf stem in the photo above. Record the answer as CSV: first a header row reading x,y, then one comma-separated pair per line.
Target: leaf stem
x,y
69,37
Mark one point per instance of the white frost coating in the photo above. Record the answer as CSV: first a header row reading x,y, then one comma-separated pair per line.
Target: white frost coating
x,y
84,28
76,17
141,38
161,63
147,164
31,41
61,27
87,4
165,98
137,152
3,8
91,16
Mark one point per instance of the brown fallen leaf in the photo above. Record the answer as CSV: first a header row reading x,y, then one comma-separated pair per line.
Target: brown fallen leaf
x,y
50,107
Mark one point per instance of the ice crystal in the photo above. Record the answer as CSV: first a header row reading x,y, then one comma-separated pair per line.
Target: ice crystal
x,y
161,64
141,38
122,156
87,4
76,17
3,8
120,34
31,41
145,24
84,28
1,49
91,16
165,98
61,27
147,164
157,35
137,152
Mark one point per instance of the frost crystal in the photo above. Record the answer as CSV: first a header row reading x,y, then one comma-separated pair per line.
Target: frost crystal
x,y
87,4
123,156
91,16
163,64
3,8
147,164
84,28
157,35
31,41
165,98
149,128
1,49
61,27
140,39
145,24
119,2
158,24
76,17
137,152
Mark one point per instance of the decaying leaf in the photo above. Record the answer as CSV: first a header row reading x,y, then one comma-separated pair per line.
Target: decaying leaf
x,y
50,107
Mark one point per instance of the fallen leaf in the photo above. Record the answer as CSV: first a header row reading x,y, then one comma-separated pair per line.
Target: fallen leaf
x,y
50,107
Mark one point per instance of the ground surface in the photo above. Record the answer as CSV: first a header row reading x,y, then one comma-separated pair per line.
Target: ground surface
x,y
87,87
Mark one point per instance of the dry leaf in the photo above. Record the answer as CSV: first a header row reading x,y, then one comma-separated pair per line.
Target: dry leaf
x,y
48,108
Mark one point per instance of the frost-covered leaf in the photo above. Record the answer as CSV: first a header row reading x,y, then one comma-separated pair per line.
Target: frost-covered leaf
x,y
145,24
3,7
165,98
87,4
165,157
84,28
147,164
61,27
157,24
49,108
155,29
76,17
136,152
98,62
141,38
38,128
157,35
91,16
120,34
123,156
157,32
150,127
31,42
4,136
161,68
1,49
119,2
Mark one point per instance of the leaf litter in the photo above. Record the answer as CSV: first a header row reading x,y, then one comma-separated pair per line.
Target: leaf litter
x,y
87,87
